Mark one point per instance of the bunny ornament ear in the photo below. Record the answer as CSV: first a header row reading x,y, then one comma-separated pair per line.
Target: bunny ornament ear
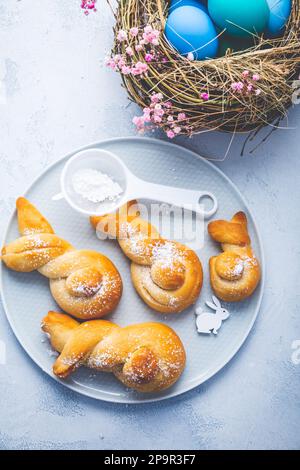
x,y
216,301
214,306
211,305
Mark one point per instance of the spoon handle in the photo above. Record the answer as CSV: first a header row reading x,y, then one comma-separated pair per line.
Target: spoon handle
x,y
186,198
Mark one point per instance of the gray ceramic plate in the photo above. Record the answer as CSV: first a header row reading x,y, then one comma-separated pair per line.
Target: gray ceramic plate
x,y
27,299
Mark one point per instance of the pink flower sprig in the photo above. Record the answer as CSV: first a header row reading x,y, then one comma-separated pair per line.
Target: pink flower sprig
x,y
145,36
88,5
120,64
204,96
247,85
150,36
137,52
141,40
160,113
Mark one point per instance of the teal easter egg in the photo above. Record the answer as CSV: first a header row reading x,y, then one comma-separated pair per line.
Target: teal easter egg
x,y
240,17
190,29
234,44
280,11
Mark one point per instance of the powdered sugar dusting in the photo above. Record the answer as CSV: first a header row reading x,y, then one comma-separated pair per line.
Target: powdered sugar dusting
x,y
168,255
95,186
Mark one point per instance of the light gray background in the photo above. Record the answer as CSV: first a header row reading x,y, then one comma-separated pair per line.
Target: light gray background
x,y
56,96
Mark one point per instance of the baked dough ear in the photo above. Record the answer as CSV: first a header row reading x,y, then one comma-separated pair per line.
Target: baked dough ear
x,y
235,273
30,220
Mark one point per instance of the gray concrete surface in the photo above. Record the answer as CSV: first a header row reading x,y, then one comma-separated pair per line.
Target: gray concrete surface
x,y
56,96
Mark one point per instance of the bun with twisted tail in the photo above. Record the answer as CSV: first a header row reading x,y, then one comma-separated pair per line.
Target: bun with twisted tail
x,y
166,274
84,283
235,273
147,357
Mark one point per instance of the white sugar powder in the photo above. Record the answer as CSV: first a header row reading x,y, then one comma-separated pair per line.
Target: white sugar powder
x,y
95,186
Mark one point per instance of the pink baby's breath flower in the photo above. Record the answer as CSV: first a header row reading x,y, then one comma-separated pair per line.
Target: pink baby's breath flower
x,y
156,97
116,58
136,120
138,47
109,62
249,88
122,35
150,35
147,114
257,92
121,62
145,39
237,86
245,74
148,57
126,70
204,96
139,68
190,56
134,31
87,5
255,77
129,51
170,134
139,122
142,66
154,39
159,112
148,29
181,116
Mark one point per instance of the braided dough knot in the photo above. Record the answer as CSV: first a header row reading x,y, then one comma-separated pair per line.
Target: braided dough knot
x,y
146,357
235,273
84,283
167,275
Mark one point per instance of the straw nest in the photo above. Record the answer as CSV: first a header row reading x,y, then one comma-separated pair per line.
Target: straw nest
x,y
182,82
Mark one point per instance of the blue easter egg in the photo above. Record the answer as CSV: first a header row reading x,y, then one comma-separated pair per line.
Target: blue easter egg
x,y
280,11
190,29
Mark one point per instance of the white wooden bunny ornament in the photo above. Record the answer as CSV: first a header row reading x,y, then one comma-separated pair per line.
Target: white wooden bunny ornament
x,y
211,322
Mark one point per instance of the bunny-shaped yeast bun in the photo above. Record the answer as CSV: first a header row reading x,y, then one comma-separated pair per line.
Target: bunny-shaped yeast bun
x,y
147,357
84,283
235,273
166,274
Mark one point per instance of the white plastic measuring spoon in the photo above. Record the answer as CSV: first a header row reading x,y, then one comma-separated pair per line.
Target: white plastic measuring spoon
x,y
133,187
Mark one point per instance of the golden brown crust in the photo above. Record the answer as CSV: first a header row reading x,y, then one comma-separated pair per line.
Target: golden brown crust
x,y
84,283
166,274
30,220
235,273
147,357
